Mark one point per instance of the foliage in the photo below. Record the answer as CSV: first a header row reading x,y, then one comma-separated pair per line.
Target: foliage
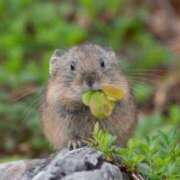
x,y
152,123
103,141
101,103
155,156
142,92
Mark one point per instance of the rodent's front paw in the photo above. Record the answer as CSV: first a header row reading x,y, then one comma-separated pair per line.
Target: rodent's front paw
x,y
74,144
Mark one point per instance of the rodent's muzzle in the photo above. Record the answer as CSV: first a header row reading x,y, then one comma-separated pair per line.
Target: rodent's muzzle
x,y
91,81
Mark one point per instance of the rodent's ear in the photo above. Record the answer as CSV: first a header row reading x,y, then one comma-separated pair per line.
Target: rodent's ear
x,y
53,61
110,52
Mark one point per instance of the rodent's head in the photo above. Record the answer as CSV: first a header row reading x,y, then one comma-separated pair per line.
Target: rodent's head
x,y
82,68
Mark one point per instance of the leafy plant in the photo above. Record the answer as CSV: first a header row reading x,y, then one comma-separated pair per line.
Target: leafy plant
x,y
103,141
142,92
154,157
101,102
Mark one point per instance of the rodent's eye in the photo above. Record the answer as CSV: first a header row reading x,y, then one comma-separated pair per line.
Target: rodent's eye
x,y
102,63
72,67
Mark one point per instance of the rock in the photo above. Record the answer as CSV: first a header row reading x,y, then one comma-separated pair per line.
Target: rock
x,y
79,164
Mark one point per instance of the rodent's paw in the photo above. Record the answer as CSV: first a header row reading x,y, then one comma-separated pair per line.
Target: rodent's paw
x,y
74,144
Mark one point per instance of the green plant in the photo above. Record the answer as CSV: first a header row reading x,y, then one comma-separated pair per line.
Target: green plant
x,y
103,141
101,102
142,92
154,157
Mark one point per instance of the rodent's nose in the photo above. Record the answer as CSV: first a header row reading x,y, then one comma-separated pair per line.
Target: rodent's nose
x,y
90,82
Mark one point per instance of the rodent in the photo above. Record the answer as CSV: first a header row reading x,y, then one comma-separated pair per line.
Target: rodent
x,y
65,119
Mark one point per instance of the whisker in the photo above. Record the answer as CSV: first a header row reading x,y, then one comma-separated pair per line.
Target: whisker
x,y
32,106
144,80
25,94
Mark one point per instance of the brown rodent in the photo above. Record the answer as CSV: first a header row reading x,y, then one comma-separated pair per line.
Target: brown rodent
x,y
64,117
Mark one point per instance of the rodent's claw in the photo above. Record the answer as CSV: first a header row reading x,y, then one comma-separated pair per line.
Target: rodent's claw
x,y
74,144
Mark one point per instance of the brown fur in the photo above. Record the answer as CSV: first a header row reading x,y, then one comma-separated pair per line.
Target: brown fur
x,y
64,117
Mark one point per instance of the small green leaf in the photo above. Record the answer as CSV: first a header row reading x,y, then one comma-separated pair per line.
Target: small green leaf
x,y
86,97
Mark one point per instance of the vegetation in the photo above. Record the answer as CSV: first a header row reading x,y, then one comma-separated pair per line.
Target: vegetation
x,y
101,103
29,33
154,157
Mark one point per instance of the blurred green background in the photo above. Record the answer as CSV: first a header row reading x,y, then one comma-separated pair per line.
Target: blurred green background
x,y
30,31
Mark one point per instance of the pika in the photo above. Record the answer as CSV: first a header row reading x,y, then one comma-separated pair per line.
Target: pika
x,y
66,121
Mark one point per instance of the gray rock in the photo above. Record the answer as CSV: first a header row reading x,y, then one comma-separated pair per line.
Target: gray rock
x,y
79,164
106,172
